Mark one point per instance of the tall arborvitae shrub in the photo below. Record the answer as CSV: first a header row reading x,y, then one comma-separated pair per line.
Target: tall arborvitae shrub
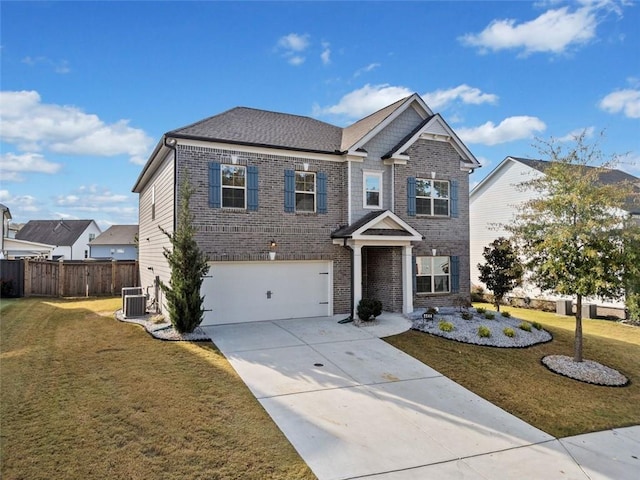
x,y
188,267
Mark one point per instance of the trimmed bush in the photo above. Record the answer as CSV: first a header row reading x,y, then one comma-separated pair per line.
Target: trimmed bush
x,y
446,326
484,332
509,332
466,315
368,309
489,315
506,314
525,326
481,310
537,325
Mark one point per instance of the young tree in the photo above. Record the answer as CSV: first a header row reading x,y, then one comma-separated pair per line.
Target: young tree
x,y
188,267
572,232
503,270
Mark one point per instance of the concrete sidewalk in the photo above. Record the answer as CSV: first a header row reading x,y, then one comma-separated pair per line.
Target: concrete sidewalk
x,y
355,407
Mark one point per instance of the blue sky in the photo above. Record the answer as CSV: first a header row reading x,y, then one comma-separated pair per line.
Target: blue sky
x,y
88,88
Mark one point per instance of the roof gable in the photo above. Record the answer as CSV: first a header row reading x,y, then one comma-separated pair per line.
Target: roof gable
x,y
358,134
53,232
435,128
381,223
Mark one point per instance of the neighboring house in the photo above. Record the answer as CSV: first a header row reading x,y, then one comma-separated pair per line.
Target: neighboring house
x,y
6,220
12,249
494,202
69,237
378,209
118,242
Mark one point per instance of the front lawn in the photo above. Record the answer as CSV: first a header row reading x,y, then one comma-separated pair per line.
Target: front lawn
x,y
515,379
85,396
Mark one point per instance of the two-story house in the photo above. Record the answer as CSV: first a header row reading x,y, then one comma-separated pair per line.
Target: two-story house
x,y
300,218
495,202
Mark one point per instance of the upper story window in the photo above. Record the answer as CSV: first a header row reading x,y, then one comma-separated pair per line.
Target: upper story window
x,y
92,236
432,197
372,191
233,186
432,275
305,192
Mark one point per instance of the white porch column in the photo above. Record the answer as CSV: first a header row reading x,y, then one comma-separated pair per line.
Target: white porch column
x,y
357,276
407,279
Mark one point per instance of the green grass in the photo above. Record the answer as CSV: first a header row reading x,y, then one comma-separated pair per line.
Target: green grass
x,y
85,396
515,380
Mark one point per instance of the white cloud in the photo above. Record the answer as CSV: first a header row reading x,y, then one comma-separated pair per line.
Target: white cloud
x,y
509,130
59,66
325,56
292,46
368,68
294,42
630,163
555,31
626,101
470,95
36,126
19,203
573,134
365,100
11,165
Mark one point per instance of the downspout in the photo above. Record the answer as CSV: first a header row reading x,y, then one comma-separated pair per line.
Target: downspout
x,y
348,192
171,144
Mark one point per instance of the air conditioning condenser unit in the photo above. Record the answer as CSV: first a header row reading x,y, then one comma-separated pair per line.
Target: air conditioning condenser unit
x,y
130,291
135,306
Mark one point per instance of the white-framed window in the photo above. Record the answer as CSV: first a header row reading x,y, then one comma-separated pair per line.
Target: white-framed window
x,y
92,236
372,190
433,274
432,197
234,186
305,192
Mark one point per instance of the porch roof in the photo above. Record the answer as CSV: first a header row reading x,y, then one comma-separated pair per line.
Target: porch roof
x,y
380,223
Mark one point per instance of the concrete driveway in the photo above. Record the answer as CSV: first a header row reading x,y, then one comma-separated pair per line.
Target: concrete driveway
x,y
355,407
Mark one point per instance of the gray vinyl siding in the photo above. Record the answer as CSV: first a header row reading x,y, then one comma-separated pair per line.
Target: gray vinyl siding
x,y
376,148
151,239
115,252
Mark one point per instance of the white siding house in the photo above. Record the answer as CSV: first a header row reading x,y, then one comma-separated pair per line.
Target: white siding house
x,y
494,203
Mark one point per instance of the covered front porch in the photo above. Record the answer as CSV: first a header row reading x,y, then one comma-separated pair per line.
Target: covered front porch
x,y
382,265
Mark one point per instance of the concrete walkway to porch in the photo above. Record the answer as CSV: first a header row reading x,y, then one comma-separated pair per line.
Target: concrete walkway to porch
x,y
355,407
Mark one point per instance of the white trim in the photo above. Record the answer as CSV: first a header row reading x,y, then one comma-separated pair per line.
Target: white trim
x,y
407,279
233,187
296,191
379,176
433,199
349,192
433,274
232,147
383,221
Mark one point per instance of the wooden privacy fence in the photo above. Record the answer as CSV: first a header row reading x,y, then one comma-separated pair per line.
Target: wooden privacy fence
x,y
78,278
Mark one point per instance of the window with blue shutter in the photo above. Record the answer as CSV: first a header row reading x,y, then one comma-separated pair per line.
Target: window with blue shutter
x,y
454,198
252,188
321,180
455,274
411,196
214,185
289,191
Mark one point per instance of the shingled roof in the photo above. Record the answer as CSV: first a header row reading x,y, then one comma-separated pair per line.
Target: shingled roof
x,y
249,126
117,235
606,176
62,233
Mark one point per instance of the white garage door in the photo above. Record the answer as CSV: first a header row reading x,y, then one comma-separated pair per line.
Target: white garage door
x,y
248,291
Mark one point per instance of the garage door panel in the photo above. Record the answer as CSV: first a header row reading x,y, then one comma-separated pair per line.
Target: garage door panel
x,y
249,291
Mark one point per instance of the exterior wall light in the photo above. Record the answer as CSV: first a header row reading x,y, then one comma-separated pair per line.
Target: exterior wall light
x,y
272,249
434,252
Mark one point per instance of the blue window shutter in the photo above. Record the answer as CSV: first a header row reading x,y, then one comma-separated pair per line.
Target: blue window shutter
x,y
215,197
411,196
414,267
321,179
252,187
454,198
455,274
289,191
